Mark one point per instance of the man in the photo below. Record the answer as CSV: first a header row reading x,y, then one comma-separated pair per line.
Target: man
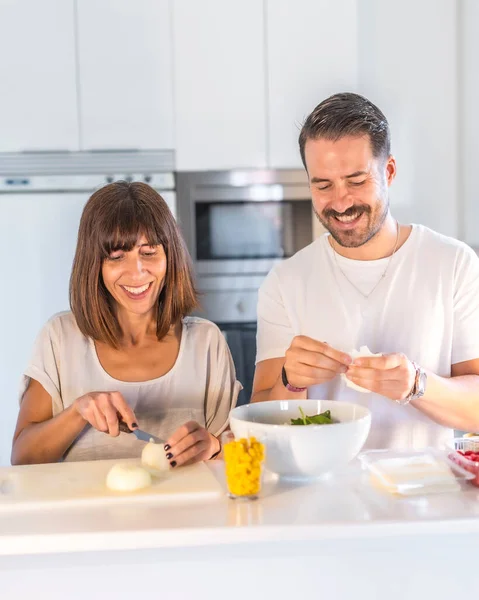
x,y
404,291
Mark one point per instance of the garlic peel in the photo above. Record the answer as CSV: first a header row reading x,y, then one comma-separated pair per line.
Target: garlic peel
x,y
363,351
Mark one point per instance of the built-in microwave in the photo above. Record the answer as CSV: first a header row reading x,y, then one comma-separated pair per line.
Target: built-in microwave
x,y
243,222
237,225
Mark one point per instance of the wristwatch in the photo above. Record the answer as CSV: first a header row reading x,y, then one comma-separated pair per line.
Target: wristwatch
x,y
288,386
419,387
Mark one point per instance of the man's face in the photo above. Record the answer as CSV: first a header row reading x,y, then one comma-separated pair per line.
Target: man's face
x,y
349,187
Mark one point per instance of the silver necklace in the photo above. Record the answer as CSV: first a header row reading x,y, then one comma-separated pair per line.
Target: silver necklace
x,y
366,296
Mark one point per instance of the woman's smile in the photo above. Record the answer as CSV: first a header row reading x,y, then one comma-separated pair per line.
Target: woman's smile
x,y
137,292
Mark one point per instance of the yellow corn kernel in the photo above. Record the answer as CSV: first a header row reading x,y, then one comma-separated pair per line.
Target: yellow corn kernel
x,y
243,459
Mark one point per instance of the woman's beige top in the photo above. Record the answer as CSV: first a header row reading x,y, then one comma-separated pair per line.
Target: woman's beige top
x,y
201,386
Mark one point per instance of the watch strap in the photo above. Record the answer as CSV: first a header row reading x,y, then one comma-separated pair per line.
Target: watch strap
x,y
414,393
287,385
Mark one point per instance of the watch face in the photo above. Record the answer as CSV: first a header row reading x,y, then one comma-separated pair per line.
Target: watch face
x,y
422,383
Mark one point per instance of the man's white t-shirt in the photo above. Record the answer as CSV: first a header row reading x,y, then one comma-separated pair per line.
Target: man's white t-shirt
x,y
426,307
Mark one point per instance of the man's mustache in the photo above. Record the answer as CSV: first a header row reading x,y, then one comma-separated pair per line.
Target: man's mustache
x,y
348,212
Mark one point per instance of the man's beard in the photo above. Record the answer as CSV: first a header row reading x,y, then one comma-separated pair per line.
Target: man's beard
x,y
355,238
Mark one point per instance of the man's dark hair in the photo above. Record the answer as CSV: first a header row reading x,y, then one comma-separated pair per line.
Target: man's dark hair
x,y
347,114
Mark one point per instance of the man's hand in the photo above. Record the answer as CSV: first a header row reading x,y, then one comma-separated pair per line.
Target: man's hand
x,y
310,362
391,375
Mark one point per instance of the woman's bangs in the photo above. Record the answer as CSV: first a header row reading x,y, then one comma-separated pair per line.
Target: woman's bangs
x,y
123,230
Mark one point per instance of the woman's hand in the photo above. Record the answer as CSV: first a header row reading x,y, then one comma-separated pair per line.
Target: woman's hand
x,y
189,444
103,410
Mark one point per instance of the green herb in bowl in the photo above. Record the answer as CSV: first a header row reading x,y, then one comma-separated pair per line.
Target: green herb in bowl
x,y
323,418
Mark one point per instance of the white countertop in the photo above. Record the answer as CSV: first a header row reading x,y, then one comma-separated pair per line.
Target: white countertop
x,y
344,506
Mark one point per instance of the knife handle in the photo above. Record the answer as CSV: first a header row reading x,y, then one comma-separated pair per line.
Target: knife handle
x,y
124,427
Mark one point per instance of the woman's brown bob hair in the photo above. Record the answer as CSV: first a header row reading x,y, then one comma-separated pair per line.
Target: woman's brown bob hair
x,y
113,219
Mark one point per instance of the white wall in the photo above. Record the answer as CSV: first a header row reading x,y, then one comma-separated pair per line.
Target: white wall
x,y
469,120
408,67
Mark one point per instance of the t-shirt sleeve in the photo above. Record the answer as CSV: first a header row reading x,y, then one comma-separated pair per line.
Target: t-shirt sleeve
x,y
465,341
222,387
275,332
44,367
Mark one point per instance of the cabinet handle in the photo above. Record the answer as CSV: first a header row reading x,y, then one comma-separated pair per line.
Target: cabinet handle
x,y
240,306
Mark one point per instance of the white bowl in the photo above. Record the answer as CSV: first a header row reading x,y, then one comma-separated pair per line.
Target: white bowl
x,y
309,451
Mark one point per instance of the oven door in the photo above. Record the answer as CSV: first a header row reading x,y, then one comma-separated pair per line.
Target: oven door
x,y
249,236
241,338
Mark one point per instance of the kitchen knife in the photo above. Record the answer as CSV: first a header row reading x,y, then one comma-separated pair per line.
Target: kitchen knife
x,y
141,435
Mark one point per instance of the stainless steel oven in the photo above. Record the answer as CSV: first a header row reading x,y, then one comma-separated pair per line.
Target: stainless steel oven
x,y
237,225
244,221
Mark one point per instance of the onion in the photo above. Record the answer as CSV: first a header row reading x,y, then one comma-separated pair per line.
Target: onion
x,y
154,457
127,478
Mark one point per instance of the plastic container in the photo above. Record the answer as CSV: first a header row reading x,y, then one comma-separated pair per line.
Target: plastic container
x,y
416,472
465,444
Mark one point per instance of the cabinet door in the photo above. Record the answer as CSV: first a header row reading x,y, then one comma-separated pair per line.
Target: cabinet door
x,y
38,234
125,74
219,84
311,54
38,101
469,122
410,71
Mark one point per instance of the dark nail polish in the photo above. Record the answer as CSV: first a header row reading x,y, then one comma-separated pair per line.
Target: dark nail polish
x,y
169,455
134,424
173,463
167,447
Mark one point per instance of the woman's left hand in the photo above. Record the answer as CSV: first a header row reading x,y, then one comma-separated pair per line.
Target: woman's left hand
x,y
189,444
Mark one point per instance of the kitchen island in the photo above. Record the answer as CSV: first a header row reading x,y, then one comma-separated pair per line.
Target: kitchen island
x,y
337,538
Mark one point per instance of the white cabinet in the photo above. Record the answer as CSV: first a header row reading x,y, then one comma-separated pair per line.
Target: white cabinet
x,y
408,68
125,74
311,54
469,121
219,72
38,101
38,235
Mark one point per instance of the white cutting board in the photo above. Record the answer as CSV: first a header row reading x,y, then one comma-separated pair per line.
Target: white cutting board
x,y
83,483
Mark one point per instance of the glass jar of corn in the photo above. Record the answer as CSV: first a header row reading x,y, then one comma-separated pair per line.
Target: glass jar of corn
x,y
244,460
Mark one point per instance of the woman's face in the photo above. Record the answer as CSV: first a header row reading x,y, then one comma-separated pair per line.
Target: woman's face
x,y
135,279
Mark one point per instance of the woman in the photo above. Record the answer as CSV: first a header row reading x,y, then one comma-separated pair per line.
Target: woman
x,y
127,351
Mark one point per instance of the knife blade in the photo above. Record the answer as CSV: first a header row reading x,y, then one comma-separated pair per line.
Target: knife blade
x,y
146,437
141,435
